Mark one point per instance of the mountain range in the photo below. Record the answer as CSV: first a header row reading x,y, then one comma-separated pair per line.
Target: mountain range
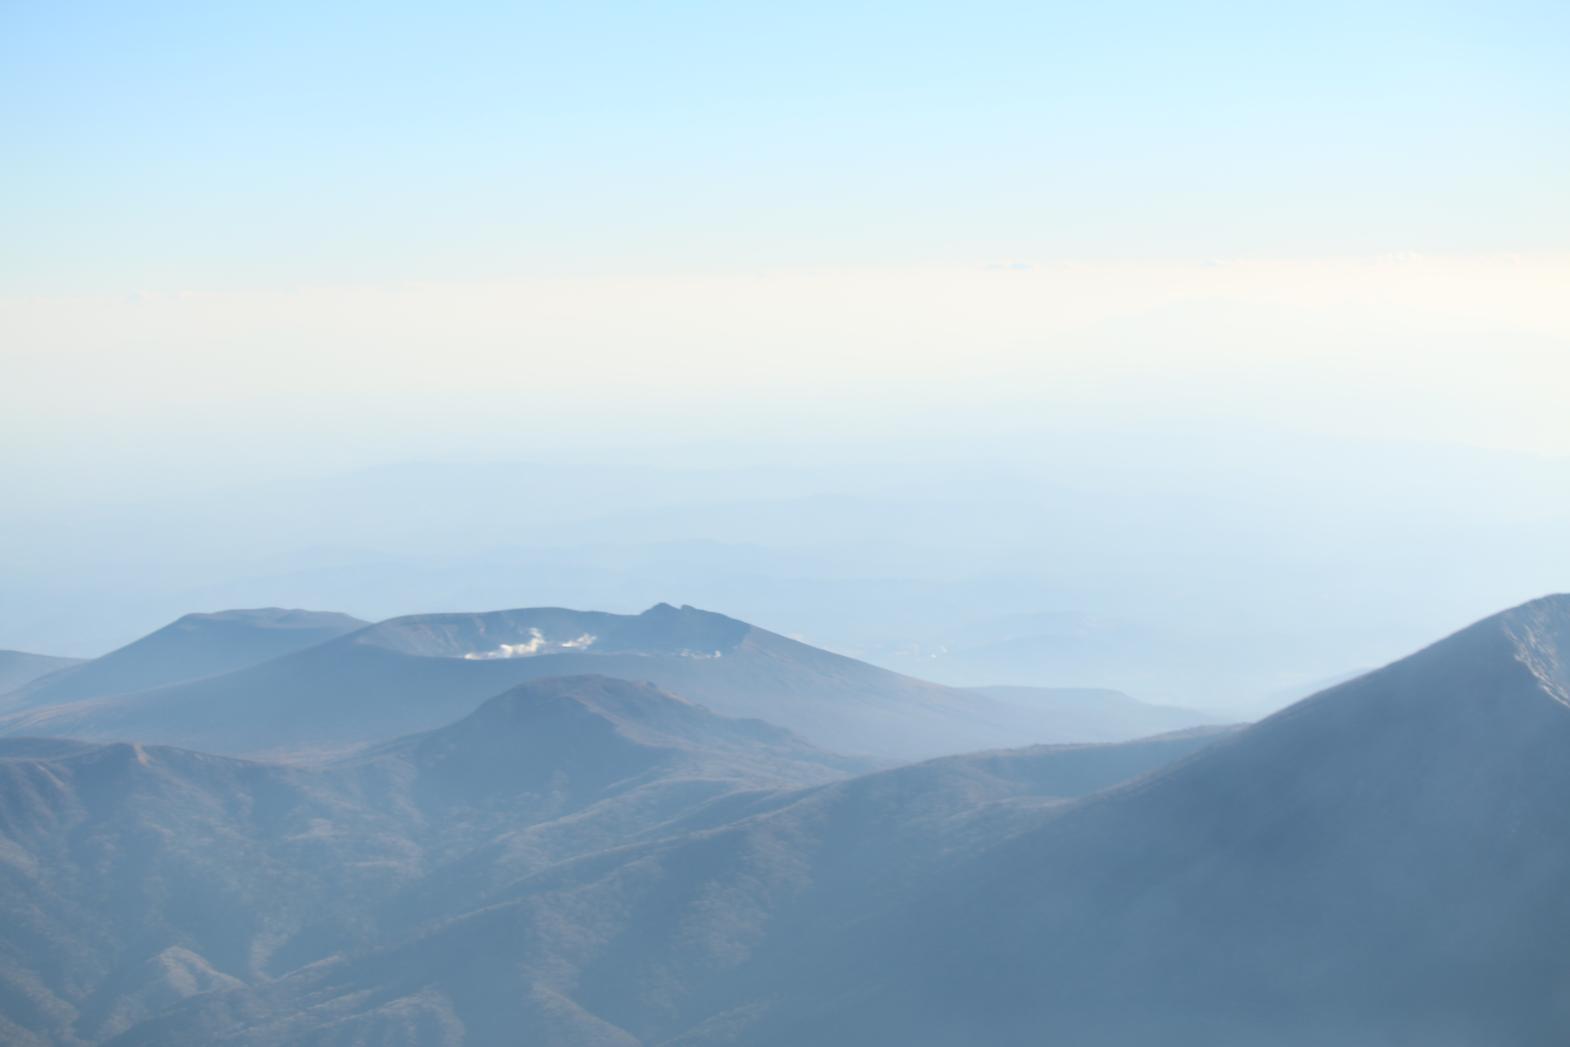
x,y
355,686
19,667
589,860
195,646
136,876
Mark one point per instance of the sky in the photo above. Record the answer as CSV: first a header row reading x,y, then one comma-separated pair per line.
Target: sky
x,y
172,147
245,249
219,210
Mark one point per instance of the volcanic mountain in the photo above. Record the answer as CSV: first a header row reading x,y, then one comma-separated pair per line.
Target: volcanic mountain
x,y
1381,864
19,667
195,646
415,673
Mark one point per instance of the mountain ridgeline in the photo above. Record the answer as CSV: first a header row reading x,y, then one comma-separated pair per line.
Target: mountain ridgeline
x,y
136,876
585,859
415,673
195,646
19,667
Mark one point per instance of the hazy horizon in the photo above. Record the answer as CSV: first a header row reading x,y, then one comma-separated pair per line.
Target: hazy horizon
x,y
824,523
1177,563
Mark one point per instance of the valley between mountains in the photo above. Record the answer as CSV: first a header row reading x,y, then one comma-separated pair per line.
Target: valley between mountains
x,y
558,827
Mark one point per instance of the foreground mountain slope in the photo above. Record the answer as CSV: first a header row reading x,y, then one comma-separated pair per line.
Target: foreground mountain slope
x,y
195,646
132,876
1382,864
20,667
619,759
412,674
631,944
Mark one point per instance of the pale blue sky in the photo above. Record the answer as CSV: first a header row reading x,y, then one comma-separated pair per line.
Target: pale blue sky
x,y
251,253
232,145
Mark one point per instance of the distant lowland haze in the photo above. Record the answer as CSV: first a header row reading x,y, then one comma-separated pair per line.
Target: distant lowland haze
x,y
1202,354
1183,567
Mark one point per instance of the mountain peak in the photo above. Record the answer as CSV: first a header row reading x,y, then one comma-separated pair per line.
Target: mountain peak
x,y
1543,619
1541,632
18,668
1523,652
271,618
666,610
531,632
637,710
1553,607
190,648
580,735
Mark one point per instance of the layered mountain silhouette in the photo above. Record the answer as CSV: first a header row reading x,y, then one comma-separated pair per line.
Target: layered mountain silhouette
x,y
19,667
1383,863
551,748
415,673
1096,714
1377,864
136,877
195,646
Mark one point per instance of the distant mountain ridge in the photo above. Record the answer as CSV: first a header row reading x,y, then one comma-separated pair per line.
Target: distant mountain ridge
x,y
591,860
662,629
414,673
190,648
20,667
1098,714
1381,864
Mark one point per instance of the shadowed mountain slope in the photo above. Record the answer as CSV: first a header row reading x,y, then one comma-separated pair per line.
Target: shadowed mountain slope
x,y
1382,864
195,646
623,758
19,667
627,945
136,877
411,674
131,876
